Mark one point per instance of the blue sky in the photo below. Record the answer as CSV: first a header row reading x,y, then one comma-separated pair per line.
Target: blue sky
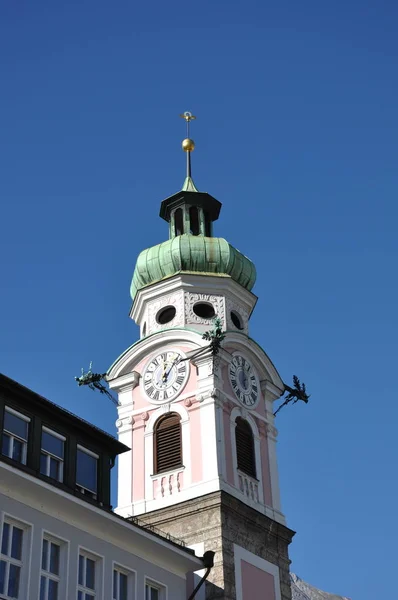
x,y
297,136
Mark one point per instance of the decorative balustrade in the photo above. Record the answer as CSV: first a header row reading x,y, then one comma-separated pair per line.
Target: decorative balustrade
x,y
167,484
248,486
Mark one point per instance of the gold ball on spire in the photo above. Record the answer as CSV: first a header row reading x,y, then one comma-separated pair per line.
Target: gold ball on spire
x,y
188,145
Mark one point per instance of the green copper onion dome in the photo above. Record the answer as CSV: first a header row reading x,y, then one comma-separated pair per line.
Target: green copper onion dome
x,y
189,253
191,247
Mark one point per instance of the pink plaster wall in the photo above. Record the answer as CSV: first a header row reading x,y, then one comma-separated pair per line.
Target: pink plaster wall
x,y
256,583
228,447
138,479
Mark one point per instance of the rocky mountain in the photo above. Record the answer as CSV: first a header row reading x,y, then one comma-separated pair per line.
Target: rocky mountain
x,y
304,591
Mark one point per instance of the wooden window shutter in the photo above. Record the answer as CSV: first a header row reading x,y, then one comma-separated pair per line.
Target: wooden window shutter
x,y
168,443
245,447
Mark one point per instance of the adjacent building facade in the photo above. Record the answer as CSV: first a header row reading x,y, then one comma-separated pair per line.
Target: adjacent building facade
x,y
59,538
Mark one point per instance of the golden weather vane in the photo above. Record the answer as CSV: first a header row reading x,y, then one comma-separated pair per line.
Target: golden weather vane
x,y
188,145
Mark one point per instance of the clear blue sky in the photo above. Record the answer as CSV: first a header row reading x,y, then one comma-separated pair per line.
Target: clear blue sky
x,y
297,136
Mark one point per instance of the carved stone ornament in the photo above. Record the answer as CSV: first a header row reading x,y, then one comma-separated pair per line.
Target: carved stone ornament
x,y
244,315
144,416
177,300
188,402
124,422
212,393
217,302
272,431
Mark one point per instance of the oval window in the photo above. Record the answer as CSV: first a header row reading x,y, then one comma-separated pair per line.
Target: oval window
x,y
204,310
165,315
236,320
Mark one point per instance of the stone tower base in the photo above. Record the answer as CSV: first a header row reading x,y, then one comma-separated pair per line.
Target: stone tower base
x,y
220,521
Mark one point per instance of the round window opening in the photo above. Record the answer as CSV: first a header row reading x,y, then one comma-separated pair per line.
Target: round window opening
x,y
165,315
236,320
204,310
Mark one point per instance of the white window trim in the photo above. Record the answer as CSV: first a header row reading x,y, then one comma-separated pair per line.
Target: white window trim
x,y
98,575
62,578
24,581
50,455
162,587
13,436
131,579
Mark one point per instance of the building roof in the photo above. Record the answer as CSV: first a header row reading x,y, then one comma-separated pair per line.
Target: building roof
x,y
192,254
303,591
8,385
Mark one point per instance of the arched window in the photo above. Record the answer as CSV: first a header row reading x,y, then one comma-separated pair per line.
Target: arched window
x,y
167,443
194,220
178,222
245,454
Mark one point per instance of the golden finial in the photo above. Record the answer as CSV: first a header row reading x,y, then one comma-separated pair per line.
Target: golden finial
x,y
188,145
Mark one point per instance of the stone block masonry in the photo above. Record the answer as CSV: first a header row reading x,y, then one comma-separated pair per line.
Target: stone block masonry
x,y
219,521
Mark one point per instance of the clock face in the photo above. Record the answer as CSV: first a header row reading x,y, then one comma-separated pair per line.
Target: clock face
x,y
165,376
243,380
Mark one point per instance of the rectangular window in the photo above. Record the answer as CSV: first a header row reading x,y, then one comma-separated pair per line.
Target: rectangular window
x,y
86,472
121,584
153,592
52,454
11,560
87,576
15,435
50,570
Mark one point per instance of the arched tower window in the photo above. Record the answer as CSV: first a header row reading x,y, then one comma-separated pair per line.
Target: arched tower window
x,y
194,220
167,443
245,454
178,222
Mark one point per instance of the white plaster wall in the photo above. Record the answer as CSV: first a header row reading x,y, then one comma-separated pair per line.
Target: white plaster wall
x,y
77,525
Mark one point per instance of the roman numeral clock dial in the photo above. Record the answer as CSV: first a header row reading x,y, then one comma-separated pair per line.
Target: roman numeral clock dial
x,y
165,377
244,381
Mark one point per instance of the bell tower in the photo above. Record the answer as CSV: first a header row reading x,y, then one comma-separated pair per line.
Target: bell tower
x,y
200,422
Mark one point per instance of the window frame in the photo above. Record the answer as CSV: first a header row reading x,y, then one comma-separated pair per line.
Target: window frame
x,y
81,488
131,580
13,436
24,562
62,576
49,455
96,593
149,582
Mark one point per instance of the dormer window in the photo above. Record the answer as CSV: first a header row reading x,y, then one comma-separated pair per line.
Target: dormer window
x,y
15,435
86,472
52,454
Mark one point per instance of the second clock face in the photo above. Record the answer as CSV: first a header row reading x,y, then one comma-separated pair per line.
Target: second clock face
x,y
243,380
165,376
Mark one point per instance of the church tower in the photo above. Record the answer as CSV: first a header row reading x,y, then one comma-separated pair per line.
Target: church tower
x,y
200,426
